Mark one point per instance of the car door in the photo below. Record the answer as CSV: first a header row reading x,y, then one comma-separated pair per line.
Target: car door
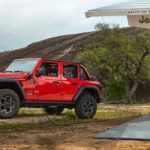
x,y
48,84
70,81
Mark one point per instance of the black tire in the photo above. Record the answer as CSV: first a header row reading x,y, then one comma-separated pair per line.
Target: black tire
x,y
86,106
9,104
54,111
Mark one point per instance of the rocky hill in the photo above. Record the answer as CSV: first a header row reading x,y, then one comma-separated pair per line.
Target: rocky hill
x,y
63,47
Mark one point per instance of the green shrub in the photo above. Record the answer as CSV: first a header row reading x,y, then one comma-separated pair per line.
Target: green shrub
x,y
113,90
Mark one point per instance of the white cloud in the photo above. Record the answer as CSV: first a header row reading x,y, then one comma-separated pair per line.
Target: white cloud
x,y
25,21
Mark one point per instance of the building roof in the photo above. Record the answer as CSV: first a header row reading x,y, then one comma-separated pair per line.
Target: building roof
x,y
132,7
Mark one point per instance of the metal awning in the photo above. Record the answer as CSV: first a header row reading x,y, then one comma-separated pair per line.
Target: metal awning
x,y
138,7
138,12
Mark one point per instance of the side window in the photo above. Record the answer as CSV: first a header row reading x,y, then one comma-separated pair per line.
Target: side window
x,y
43,70
70,71
53,70
49,69
83,74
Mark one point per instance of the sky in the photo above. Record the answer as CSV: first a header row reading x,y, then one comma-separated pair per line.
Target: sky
x,y
26,21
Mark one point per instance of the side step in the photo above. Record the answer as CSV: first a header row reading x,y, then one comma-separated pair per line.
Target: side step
x,y
47,103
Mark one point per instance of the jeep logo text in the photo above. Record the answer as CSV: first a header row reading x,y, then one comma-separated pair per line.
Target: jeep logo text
x,y
144,20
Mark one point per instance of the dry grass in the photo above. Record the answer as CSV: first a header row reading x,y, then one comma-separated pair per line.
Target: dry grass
x,y
105,112
71,133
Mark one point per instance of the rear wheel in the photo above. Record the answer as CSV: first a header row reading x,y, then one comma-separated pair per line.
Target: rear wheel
x,y
9,103
86,106
54,111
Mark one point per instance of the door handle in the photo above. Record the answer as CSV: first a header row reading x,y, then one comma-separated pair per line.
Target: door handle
x,y
56,82
75,83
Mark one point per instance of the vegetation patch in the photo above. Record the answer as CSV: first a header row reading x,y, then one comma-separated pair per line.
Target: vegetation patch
x,y
68,118
30,112
113,56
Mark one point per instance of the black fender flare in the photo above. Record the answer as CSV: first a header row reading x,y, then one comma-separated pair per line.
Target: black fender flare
x,y
14,82
85,88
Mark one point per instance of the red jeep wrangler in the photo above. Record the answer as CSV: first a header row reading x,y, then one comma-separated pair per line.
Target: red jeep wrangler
x,y
52,85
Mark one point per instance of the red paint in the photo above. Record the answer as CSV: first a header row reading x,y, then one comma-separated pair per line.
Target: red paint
x,y
51,88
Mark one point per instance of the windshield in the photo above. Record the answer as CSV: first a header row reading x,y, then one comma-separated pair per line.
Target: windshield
x,y
22,66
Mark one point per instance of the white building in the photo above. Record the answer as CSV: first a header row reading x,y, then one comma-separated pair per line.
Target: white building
x,y
137,11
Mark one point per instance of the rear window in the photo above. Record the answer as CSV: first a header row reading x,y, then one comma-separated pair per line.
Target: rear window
x,y
70,71
83,74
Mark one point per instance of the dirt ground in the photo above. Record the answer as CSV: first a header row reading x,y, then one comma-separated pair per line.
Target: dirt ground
x,y
72,137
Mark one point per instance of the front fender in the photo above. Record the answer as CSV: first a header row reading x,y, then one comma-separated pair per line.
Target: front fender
x,y
4,83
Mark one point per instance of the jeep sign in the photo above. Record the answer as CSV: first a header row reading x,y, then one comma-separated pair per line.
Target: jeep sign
x,y
137,11
142,21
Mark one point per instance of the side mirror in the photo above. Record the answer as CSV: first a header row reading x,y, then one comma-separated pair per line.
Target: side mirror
x,y
93,78
41,72
29,76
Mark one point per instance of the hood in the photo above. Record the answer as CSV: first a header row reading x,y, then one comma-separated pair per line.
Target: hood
x,y
16,76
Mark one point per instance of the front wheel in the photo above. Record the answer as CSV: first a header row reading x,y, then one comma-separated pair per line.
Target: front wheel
x,y
9,104
54,111
86,106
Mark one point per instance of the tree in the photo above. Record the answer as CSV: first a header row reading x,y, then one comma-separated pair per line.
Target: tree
x,y
119,57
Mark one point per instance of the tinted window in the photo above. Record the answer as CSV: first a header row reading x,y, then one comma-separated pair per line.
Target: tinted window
x,y
53,70
70,71
83,74
49,69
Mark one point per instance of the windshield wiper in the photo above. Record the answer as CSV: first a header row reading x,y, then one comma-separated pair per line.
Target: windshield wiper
x,y
18,71
8,71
